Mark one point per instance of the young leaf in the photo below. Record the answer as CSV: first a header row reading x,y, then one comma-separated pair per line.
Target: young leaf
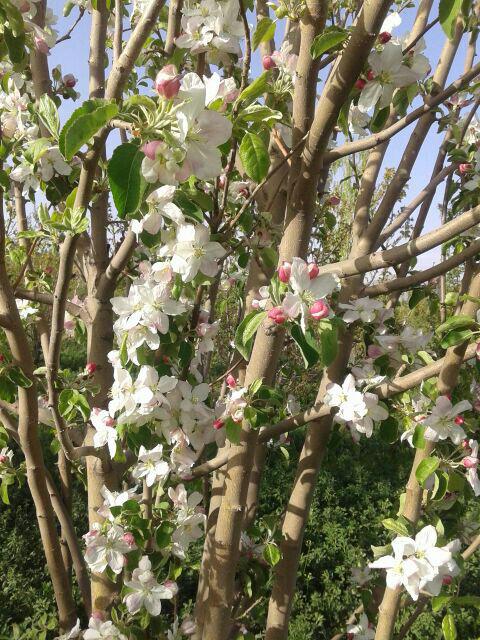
x,y
448,627
328,342
126,179
438,602
426,468
448,11
254,156
47,110
455,337
327,40
233,431
84,123
246,330
265,31
271,554
455,323
396,526
306,344
255,89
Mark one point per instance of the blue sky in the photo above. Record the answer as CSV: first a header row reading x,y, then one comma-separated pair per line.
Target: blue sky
x,y
73,57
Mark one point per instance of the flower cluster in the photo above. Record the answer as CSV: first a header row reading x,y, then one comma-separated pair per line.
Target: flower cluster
x,y
418,564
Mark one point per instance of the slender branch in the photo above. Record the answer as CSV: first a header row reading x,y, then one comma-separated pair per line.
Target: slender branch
x,y
377,138
68,34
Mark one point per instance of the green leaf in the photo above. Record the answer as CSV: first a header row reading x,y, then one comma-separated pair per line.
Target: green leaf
x,y
14,17
417,296
125,177
254,156
70,401
15,45
48,112
448,11
455,323
4,492
259,113
306,344
246,330
438,602
163,534
271,554
328,342
265,31
468,601
327,40
448,627
84,123
16,375
233,431
455,337
426,468
419,437
255,89
397,526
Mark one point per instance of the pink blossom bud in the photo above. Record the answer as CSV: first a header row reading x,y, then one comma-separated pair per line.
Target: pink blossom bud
x,y
385,37
98,615
222,180
459,420
277,314
231,382
167,82
170,584
188,627
69,80
319,310
3,458
466,443
90,368
469,463
374,351
284,272
69,325
109,422
465,167
268,63
313,270
150,149
218,424
370,75
447,580
333,201
360,84
41,46
129,539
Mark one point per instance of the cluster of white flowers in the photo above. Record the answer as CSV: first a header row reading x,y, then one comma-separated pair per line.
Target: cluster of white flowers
x,y
211,26
358,410
197,134
306,298
418,564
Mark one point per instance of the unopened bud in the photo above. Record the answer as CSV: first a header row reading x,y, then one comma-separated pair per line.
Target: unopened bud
x,y
360,84
150,149
90,368
268,63
447,580
41,46
129,539
385,37
284,272
218,424
167,82
459,420
370,75
465,167
277,314
231,382
333,201
319,310
313,270
69,80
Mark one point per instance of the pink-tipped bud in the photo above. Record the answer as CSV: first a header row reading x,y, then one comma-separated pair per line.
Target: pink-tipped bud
x,y
278,315
370,75
41,46
465,444
313,270
170,584
284,272
109,422
69,80
447,580
360,84
218,424
231,382
319,310
90,368
385,37
98,615
150,149
469,463
3,458
167,82
268,63
333,201
459,420
465,167
129,539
